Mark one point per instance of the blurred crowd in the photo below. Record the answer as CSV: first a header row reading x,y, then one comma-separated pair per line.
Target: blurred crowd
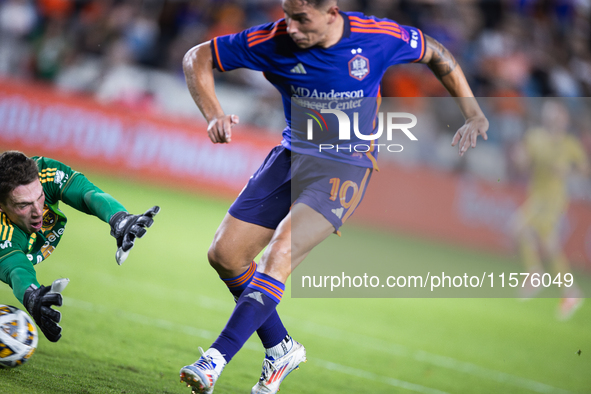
x,y
130,51
506,47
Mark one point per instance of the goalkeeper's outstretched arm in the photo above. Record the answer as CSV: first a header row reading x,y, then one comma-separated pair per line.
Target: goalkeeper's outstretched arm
x,y
83,195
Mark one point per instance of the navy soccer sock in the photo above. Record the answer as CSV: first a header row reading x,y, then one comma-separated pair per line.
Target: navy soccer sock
x,y
254,306
272,331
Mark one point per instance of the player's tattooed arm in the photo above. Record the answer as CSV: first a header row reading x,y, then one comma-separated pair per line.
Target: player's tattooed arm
x,y
449,72
198,69
441,61
445,67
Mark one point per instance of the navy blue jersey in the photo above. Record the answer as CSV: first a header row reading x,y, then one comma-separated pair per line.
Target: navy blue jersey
x,y
351,69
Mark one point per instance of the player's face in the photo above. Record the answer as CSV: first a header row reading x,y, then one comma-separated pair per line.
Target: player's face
x,y
24,207
555,117
308,26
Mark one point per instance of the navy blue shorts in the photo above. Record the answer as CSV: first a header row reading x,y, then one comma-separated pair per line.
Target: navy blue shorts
x,y
329,187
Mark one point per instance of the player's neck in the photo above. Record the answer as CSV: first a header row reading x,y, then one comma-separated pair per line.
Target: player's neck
x,y
335,33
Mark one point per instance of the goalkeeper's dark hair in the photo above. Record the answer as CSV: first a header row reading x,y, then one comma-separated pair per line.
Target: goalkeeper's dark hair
x,y
16,170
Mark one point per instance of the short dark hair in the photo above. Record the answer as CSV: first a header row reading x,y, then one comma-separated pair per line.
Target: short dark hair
x,y
318,4
16,170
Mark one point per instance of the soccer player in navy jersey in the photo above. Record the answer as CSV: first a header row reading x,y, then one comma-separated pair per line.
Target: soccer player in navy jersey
x,y
316,48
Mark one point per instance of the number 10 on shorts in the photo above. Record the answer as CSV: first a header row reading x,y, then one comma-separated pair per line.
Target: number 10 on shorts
x,y
340,191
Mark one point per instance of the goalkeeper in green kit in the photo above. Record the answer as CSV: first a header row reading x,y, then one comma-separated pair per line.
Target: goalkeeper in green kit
x,y
31,226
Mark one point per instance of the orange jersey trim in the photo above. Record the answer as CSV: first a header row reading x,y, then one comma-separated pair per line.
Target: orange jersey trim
x,y
217,54
422,46
279,33
374,23
253,34
259,36
369,155
388,32
357,25
374,162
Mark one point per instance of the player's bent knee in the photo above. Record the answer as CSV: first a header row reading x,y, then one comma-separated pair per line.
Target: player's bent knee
x,y
215,257
224,260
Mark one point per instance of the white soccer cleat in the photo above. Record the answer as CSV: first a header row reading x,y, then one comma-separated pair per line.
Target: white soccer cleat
x,y
274,371
202,374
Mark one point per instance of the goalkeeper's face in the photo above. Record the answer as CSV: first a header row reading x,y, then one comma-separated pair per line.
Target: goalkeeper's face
x,y
24,207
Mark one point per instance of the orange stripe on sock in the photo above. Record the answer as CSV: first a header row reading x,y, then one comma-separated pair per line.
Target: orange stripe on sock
x,y
266,290
268,284
242,278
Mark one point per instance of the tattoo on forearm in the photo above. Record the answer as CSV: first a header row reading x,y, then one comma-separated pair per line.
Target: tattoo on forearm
x,y
442,62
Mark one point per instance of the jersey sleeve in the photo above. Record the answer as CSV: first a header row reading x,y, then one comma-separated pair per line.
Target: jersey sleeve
x,y
61,183
12,239
86,197
16,269
54,177
409,48
18,272
398,43
247,49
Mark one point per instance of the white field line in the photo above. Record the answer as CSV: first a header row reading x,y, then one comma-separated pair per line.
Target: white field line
x,y
376,378
250,345
341,336
344,337
422,356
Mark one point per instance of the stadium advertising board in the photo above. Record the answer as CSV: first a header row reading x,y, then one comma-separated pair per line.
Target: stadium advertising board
x,y
118,141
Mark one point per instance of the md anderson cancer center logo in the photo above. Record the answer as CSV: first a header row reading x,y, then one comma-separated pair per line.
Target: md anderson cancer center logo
x,y
325,119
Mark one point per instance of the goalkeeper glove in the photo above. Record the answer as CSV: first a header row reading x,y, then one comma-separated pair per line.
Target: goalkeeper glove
x,y
38,301
126,228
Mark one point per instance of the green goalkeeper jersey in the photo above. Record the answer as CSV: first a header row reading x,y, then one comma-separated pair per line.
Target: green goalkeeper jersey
x,y
60,183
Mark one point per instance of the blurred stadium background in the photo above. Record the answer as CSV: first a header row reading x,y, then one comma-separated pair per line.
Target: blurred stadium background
x,y
99,85
129,53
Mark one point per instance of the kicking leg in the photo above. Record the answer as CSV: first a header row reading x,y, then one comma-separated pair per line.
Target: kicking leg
x,y
235,245
301,230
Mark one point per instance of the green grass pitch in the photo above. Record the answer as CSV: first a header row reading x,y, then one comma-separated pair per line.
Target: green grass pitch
x,y
130,328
